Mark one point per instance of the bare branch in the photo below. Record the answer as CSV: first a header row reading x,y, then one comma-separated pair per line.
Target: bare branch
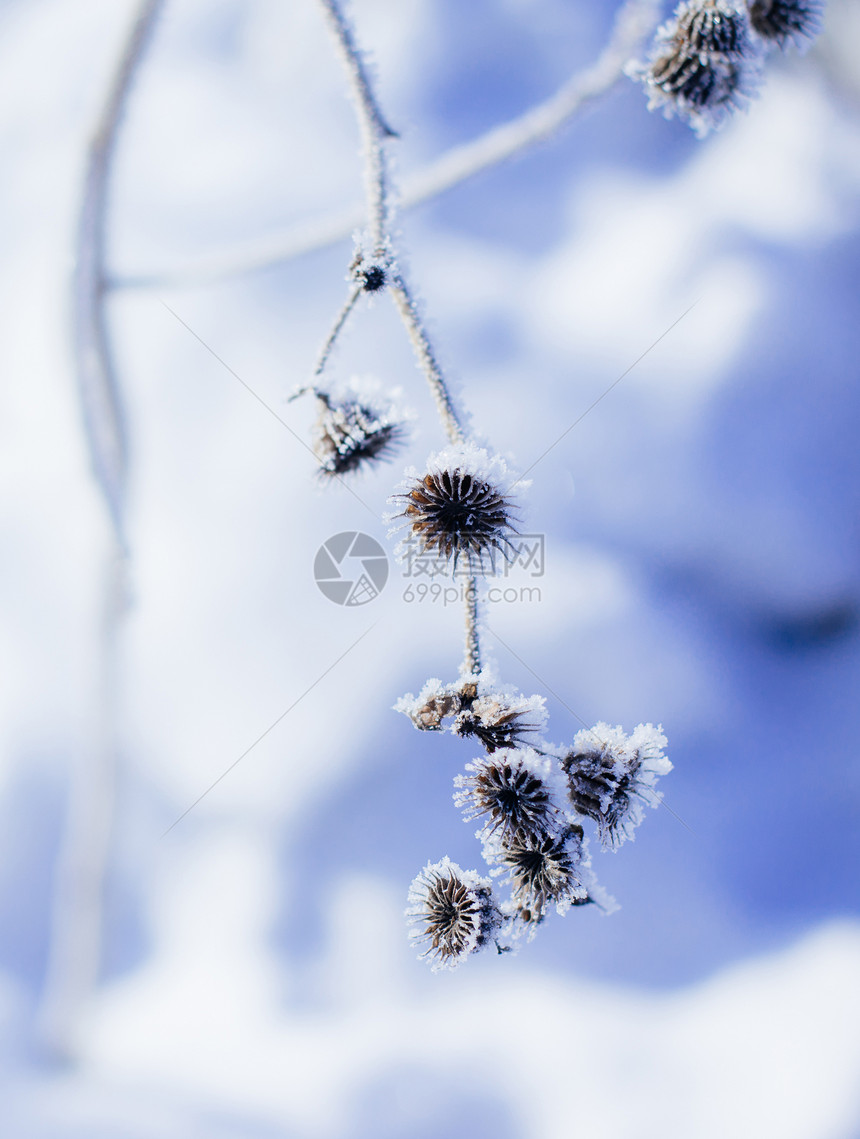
x,y
331,339
76,930
96,376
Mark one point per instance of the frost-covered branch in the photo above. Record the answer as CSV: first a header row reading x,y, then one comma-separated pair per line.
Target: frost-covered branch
x,y
94,365
472,655
374,129
533,801
75,946
634,21
336,329
415,327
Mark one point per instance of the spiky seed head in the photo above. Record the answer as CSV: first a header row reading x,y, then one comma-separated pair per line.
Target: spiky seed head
x,y
787,21
712,27
511,793
453,911
496,721
695,82
705,63
545,870
457,510
611,777
371,268
351,435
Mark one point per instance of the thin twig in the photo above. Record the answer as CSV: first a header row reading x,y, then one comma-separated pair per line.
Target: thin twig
x,y
96,374
76,930
336,330
374,129
635,20
74,951
408,310
375,134
472,656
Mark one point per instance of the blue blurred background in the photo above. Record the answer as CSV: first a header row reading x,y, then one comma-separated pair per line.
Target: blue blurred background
x,y
701,527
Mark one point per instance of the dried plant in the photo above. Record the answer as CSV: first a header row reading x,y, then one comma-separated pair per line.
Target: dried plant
x,y
460,509
454,911
707,62
530,798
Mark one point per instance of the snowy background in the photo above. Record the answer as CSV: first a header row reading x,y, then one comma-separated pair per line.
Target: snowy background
x,y
702,571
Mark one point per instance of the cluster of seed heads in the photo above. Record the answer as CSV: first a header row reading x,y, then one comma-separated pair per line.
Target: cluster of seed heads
x,y
531,803
496,719
707,61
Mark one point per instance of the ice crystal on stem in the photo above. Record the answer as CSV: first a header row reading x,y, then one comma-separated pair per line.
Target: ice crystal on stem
x,y
371,268
452,910
611,777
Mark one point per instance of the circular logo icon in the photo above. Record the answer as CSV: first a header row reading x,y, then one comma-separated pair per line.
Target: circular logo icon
x,y
351,568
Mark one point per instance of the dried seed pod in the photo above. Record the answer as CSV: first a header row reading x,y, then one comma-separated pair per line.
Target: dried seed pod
x,y
453,910
713,27
545,870
512,792
705,63
351,435
611,777
497,721
787,21
457,510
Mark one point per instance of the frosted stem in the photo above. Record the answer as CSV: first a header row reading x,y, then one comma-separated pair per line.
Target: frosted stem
x,y
408,310
472,657
337,327
374,129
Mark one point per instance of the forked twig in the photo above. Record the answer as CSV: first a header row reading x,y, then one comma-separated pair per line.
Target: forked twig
x,y
634,21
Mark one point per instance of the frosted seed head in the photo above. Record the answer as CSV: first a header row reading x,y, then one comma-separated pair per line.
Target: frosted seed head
x,y
511,793
458,511
705,64
452,911
787,21
544,871
434,704
611,777
371,268
497,717
497,721
712,27
351,435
